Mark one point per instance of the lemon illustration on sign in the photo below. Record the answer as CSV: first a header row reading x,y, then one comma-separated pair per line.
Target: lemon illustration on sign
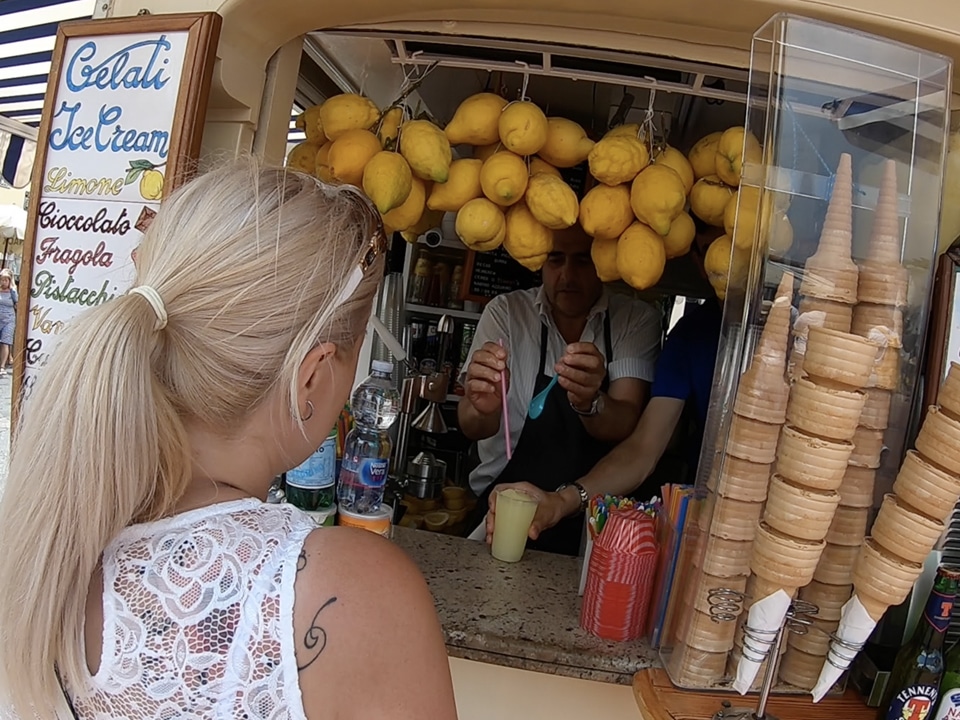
x,y
552,202
657,197
603,252
605,211
641,256
504,178
151,185
526,240
481,225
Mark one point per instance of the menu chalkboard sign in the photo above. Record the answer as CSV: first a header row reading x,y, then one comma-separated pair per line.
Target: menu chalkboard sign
x,y
493,273
124,111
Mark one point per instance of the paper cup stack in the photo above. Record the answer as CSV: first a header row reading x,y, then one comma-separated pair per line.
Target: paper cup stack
x,y
829,287
736,493
910,522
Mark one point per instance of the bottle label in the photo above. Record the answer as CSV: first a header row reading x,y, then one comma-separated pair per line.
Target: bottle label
x,y
317,471
915,702
370,472
949,706
939,611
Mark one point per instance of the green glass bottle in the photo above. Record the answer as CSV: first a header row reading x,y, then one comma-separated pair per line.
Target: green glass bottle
x,y
914,685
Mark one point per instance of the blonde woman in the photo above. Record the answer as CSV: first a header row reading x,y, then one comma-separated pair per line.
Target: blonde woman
x,y
8,316
138,558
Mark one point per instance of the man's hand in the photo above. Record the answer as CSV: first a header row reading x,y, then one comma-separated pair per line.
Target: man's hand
x,y
483,378
581,371
551,508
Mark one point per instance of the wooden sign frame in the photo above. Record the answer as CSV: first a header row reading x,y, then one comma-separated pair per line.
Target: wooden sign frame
x,y
186,131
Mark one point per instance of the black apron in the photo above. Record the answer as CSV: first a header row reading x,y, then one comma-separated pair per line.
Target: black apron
x,y
553,450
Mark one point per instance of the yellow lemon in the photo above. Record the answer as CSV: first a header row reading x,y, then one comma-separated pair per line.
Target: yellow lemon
x,y
703,155
618,159
151,185
476,121
427,150
483,152
538,166
657,197
503,178
605,211
429,220
526,240
350,154
389,129
309,121
736,148
676,161
677,242
322,163
567,143
603,251
523,128
463,184
780,239
387,180
481,225
709,199
303,156
348,111
629,130
641,256
724,262
552,202
409,213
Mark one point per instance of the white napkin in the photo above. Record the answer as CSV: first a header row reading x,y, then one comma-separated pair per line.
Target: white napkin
x,y
855,627
766,616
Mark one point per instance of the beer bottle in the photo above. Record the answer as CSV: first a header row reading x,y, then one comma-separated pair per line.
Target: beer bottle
x,y
312,485
950,686
915,679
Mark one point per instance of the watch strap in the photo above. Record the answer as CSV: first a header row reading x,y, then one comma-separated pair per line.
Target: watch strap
x,y
594,407
582,491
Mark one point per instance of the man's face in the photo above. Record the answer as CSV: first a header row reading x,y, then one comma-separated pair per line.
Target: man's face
x,y
569,277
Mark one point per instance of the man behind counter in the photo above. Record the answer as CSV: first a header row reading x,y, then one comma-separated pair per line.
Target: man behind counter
x,y
684,374
601,346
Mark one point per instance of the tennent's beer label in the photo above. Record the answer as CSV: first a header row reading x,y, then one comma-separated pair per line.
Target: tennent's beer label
x,y
913,703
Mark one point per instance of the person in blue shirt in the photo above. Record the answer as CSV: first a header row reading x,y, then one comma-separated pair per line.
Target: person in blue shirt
x,y
683,379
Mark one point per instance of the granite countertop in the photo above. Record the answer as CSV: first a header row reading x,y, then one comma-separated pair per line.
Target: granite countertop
x,y
523,615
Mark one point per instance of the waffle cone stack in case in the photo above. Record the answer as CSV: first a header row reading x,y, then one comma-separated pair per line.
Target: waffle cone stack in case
x,y
883,279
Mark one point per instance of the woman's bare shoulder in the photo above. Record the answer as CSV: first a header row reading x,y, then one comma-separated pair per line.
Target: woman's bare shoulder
x,y
366,634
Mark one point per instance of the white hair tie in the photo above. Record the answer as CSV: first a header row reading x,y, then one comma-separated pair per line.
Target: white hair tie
x,y
156,302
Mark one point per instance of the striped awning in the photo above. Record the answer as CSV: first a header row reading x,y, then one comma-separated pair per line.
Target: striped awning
x,y
28,30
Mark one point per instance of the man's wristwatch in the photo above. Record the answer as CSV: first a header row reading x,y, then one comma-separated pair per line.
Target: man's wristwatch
x,y
584,498
596,407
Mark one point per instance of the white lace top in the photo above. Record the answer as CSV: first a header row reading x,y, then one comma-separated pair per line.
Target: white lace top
x,y
198,617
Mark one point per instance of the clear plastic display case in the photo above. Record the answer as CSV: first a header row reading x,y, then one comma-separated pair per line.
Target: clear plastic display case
x,y
824,321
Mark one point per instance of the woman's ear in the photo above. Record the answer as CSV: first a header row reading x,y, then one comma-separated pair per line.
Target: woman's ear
x,y
315,368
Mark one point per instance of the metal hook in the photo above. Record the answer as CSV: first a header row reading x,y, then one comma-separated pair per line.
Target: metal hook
x,y
526,79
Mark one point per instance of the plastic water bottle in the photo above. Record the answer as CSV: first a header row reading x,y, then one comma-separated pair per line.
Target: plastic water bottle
x,y
366,451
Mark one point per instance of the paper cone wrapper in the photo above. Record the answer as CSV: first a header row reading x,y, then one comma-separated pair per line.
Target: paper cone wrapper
x,y
949,396
867,447
855,627
693,668
825,411
704,584
849,526
736,657
765,616
830,599
799,512
876,409
814,312
883,284
740,479
836,565
811,461
788,561
816,641
856,490
702,633
752,440
730,519
839,357
882,576
939,440
800,669
869,319
904,532
723,558
758,588
885,243
929,489
886,373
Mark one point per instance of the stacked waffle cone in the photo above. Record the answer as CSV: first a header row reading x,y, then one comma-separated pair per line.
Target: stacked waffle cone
x,y
829,288
910,522
737,491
